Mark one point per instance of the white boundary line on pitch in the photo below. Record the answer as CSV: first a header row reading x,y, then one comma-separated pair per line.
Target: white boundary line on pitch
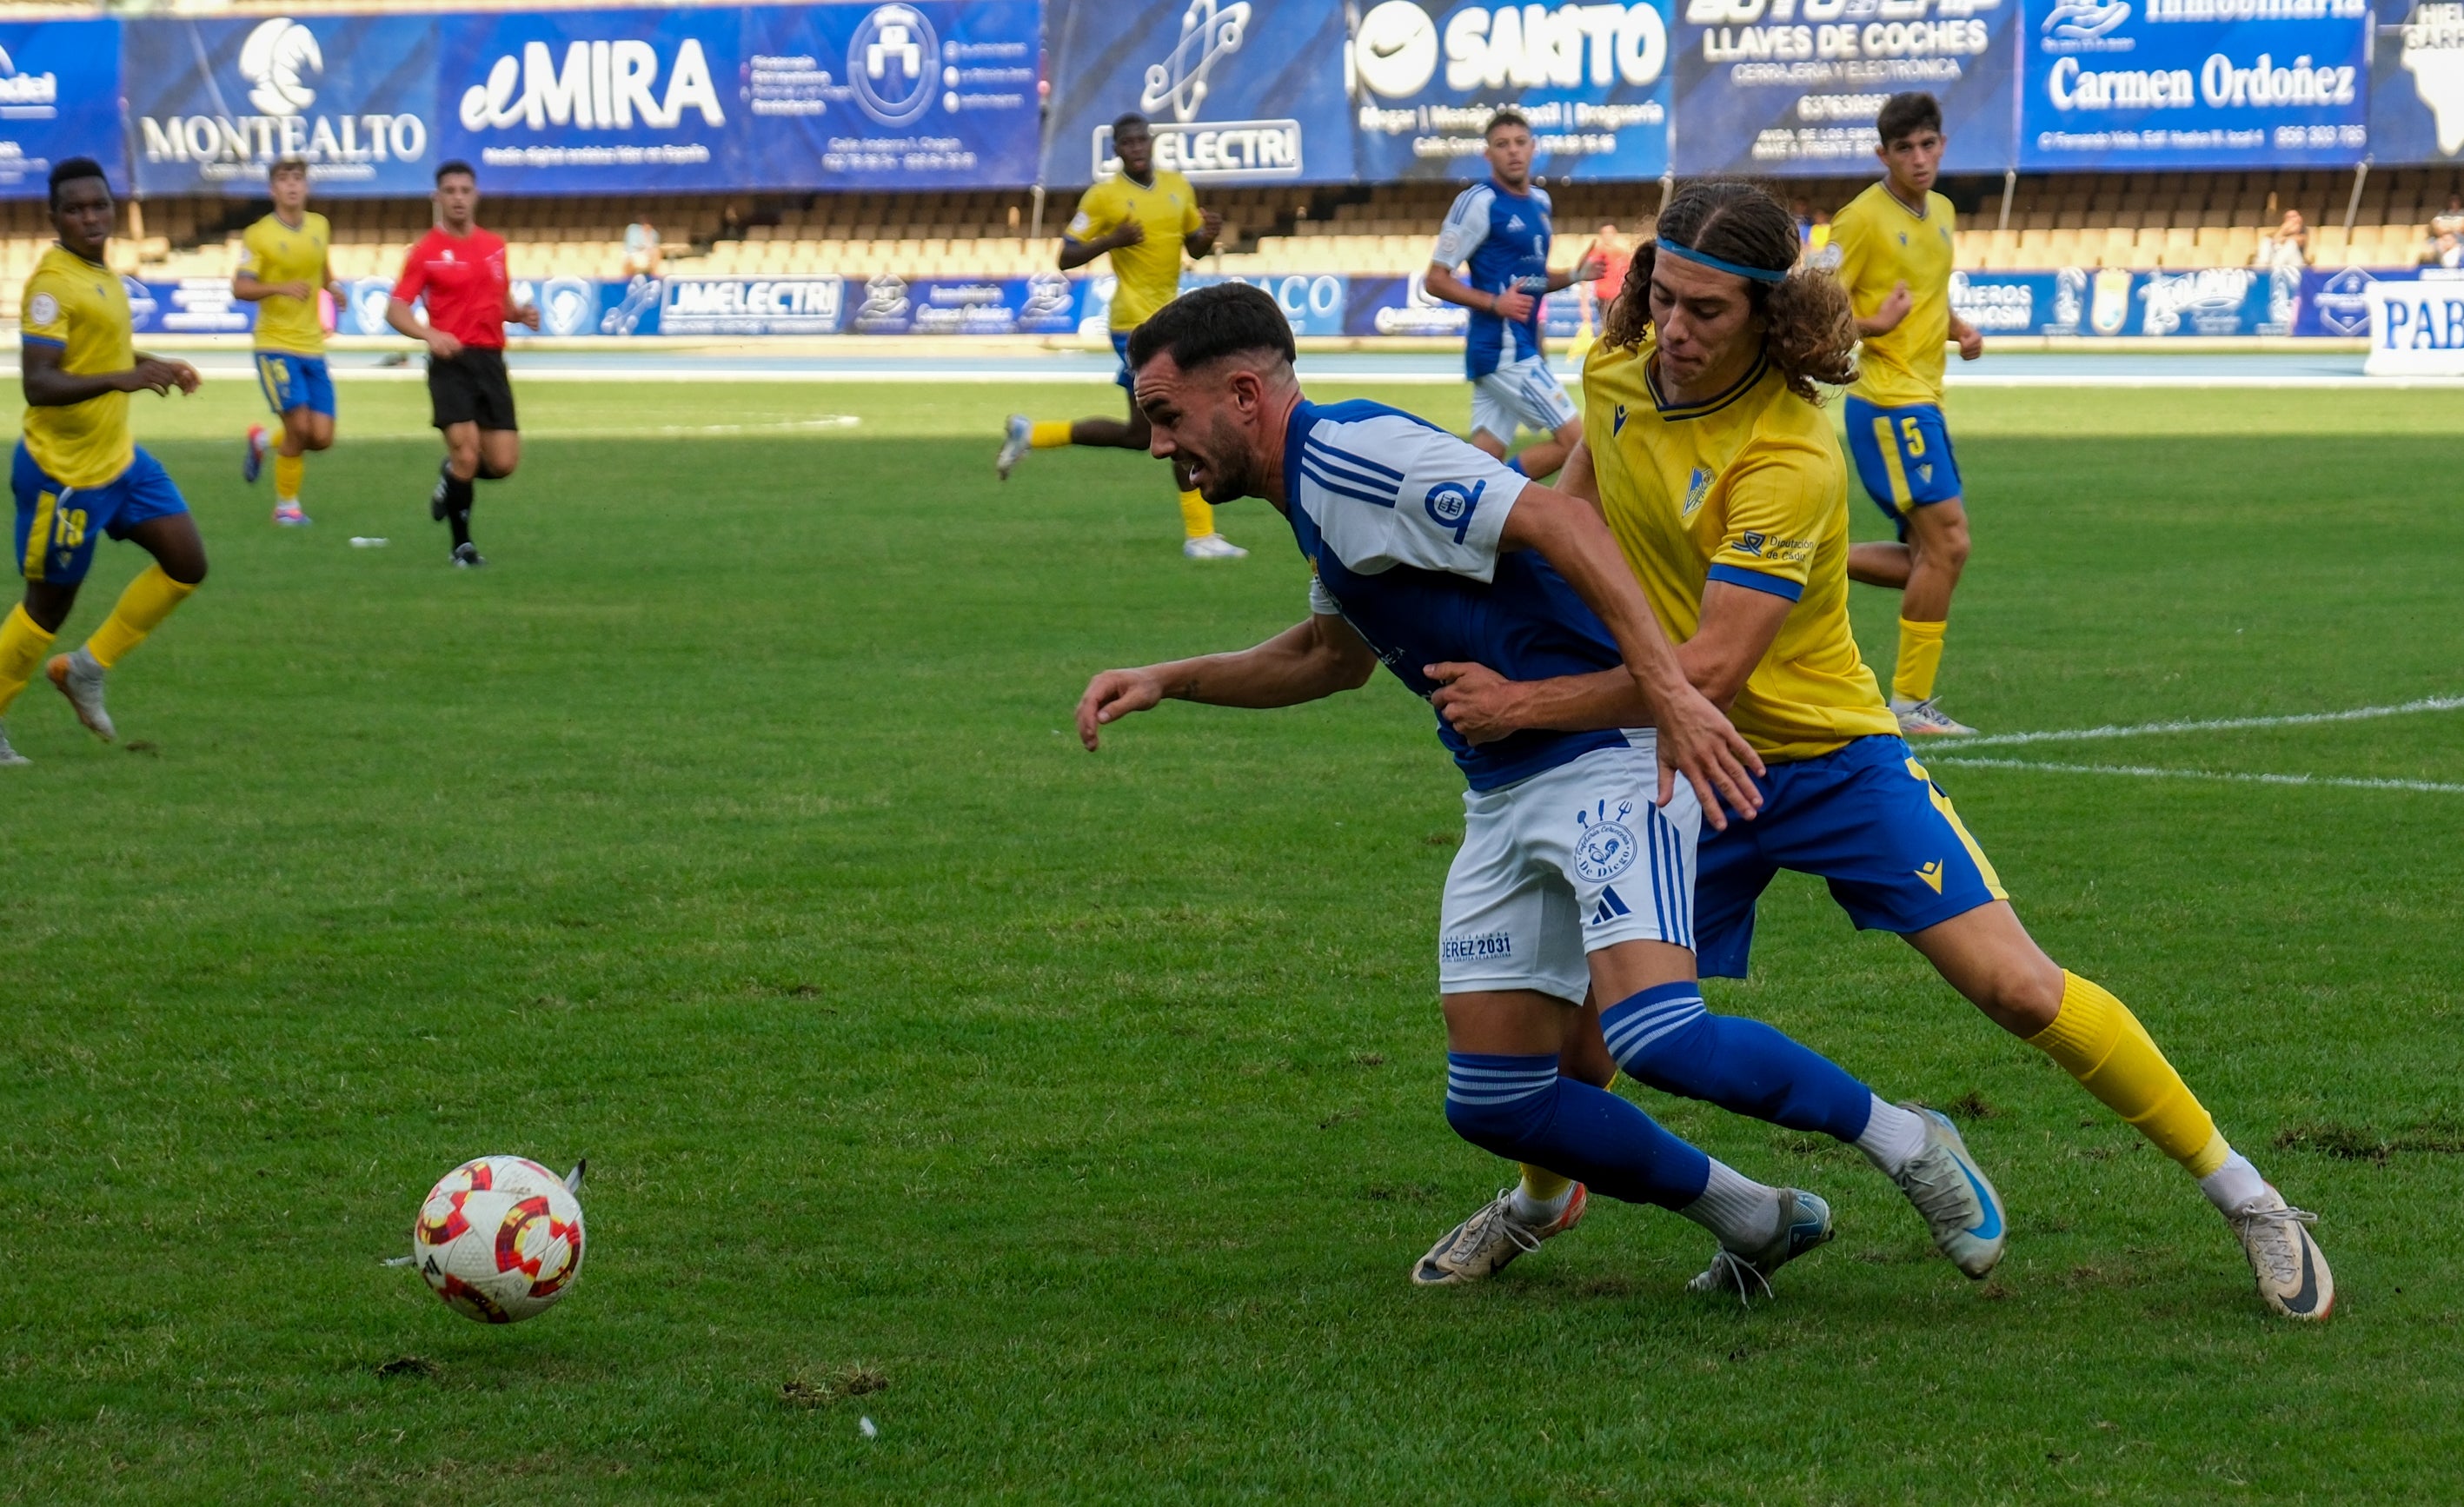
x,y
2150,772
2298,719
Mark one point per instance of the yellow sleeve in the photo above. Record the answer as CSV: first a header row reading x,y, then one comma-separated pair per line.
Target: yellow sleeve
x,y
1849,241
1777,498
46,309
250,258
1099,213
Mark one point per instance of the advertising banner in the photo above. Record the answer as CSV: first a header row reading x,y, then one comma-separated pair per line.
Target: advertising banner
x,y
1594,80
2194,83
59,97
2416,325
2417,82
1238,91
1777,87
212,104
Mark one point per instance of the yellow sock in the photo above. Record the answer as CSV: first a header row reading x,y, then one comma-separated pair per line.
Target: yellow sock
x,y
1196,515
2098,1041
1920,657
287,472
1541,1186
1048,434
21,649
141,608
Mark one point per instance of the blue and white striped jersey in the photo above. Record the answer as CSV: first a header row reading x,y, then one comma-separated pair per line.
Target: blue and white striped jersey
x,y
1505,237
1399,522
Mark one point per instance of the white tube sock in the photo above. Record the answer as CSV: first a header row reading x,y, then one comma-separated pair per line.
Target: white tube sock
x,y
1891,1137
1743,1213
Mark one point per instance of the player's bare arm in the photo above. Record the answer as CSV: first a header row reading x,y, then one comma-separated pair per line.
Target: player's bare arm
x,y
48,386
1075,254
1886,318
1695,739
526,315
1201,241
1443,283
1970,340
246,288
1309,661
406,322
1591,269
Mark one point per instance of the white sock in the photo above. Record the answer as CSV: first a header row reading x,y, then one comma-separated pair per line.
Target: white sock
x,y
1891,1136
2235,1184
1535,1212
1741,1211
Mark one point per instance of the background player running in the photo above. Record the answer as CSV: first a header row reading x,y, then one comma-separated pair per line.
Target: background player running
x,y
1499,234
1722,484
460,270
1893,245
1144,219
282,268
1572,874
79,474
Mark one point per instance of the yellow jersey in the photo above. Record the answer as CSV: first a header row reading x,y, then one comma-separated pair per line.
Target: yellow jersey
x,y
1750,489
1148,274
81,307
1881,244
274,253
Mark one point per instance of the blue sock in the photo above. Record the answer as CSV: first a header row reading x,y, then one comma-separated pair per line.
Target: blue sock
x,y
1665,1038
1514,464
1518,1107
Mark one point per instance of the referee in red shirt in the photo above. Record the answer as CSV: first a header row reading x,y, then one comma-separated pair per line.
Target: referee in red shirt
x,y
461,269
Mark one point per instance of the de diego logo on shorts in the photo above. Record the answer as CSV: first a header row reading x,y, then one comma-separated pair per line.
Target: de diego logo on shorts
x,y
1450,505
1607,845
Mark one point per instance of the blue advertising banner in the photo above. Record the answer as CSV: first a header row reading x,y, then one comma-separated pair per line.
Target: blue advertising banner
x,y
1238,91
212,104
2194,83
59,97
2417,82
1780,87
1594,80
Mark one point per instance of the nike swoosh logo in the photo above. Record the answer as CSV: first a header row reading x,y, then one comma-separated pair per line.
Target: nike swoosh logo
x,y
2307,1296
1387,49
1991,1228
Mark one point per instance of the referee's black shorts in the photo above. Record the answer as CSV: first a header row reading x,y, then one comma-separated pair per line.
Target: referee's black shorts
x,y
471,388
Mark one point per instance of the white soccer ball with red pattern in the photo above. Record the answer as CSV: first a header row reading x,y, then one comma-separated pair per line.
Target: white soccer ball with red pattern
x,y
499,1238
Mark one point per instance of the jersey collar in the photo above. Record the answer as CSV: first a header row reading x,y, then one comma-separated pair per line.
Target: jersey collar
x,y
1914,214
1709,406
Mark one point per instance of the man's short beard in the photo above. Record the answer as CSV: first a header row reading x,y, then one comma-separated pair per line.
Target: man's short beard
x,y
1232,471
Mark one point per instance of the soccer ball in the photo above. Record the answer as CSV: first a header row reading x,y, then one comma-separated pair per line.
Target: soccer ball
x,y
499,1238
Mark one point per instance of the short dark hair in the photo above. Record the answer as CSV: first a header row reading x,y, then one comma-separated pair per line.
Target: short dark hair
x,y
1504,117
287,165
72,169
454,164
1210,323
1121,125
1904,115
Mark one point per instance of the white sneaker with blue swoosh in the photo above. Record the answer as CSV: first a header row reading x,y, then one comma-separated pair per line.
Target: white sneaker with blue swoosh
x,y
1949,1189
1804,1223
2292,1273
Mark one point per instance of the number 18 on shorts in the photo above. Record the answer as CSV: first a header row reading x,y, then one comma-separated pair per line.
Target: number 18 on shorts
x,y
1558,866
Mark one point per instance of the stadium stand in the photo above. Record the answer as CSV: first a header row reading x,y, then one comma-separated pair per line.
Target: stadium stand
x,y
2168,221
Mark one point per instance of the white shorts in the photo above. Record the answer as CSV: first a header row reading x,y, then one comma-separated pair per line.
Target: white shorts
x,y
1556,867
1524,393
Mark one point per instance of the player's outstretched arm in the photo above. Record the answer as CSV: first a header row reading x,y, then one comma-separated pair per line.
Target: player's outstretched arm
x,y
48,386
1695,740
1306,662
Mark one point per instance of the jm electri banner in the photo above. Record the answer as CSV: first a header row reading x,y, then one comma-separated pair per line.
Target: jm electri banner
x,y
1238,91
2417,82
1591,78
212,104
1774,87
2194,83
59,96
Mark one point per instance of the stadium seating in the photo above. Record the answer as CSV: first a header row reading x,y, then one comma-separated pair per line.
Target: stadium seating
x,y
2171,221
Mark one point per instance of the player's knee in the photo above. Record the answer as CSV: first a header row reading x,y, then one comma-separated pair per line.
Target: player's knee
x,y
188,567
2024,996
1660,1036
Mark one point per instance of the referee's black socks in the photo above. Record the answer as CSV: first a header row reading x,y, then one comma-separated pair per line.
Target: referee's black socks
x,y
457,508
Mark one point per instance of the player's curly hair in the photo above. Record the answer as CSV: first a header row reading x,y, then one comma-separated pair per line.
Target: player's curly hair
x,y
1808,329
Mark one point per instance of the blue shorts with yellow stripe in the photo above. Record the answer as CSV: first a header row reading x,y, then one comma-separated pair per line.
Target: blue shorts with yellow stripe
x,y
1902,457
58,527
1869,821
1121,349
296,382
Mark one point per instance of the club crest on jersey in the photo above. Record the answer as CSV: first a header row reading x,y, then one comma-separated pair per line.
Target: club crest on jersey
x,y
1450,505
1697,488
1607,846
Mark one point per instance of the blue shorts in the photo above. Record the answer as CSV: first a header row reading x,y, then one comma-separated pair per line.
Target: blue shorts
x,y
1902,457
58,527
296,382
1866,818
1121,349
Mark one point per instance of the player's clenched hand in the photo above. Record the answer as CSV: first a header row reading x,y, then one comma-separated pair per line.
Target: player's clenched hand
x,y
1514,308
1592,268
155,375
1112,696
443,346
1971,343
1895,308
529,316
1131,234
1210,223
297,289
1697,742
1476,701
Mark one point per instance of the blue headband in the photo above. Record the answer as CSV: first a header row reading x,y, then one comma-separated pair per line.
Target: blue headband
x,y
1760,274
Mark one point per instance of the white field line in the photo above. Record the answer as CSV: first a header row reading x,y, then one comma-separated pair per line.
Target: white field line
x,y
2147,772
2300,719
822,423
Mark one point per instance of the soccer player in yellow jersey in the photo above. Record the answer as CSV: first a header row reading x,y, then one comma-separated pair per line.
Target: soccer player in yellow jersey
x,y
1892,246
282,268
78,473
1728,495
1144,218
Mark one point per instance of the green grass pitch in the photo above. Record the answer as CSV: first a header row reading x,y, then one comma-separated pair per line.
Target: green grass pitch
x,y
727,830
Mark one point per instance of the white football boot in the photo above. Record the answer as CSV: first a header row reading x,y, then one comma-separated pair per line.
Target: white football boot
x,y
2292,1273
1804,1223
1924,719
10,759
1948,1187
1481,1245
80,680
1213,547
1014,444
